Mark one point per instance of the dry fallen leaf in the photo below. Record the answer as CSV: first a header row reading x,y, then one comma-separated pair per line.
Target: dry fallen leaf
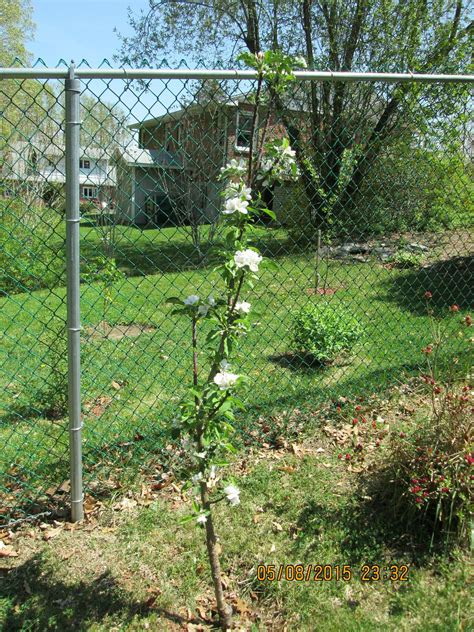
x,y
115,385
240,606
289,469
125,504
277,526
49,534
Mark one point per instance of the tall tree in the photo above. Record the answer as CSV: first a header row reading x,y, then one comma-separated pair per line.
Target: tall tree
x,y
16,29
26,106
350,123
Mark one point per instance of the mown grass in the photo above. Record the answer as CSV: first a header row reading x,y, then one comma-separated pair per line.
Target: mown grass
x,y
140,569
143,378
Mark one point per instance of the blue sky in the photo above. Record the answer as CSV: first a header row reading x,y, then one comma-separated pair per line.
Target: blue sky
x,y
84,29
77,29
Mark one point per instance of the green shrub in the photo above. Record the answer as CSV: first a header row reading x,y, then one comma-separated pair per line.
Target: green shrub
x,y
405,259
324,331
87,208
422,472
415,189
31,246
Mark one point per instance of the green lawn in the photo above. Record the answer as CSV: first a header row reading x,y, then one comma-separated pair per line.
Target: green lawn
x,y
136,567
152,369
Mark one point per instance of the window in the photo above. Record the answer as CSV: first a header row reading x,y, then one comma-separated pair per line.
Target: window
x,y
172,136
84,164
244,130
89,193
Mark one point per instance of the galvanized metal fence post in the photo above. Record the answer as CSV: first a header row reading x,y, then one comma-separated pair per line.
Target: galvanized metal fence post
x,y
72,88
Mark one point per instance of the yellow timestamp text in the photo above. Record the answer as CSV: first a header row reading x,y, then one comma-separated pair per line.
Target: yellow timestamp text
x,y
332,572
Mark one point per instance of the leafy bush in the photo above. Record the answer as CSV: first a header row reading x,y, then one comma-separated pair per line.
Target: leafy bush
x,y
433,464
86,208
422,471
323,331
415,189
405,259
31,246
406,189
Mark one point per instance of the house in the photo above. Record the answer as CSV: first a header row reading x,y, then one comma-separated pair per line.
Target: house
x,y
171,175
41,168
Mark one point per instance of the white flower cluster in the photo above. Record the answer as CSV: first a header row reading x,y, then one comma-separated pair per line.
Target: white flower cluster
x,y
233,494
301,62
203,309
237,197
234,168
247,258
279,165
225,380
242,307
236,205
199,477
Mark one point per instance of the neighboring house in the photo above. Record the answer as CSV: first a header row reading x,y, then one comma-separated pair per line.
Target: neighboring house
x,y
171,176
42,168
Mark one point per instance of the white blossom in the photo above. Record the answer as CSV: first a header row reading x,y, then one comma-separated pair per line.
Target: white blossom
x,y
211,300
201,519
301,61
236,204
196,478
191,300
236,167
225,365
225,380
248,258
213,472
287,151
238,189
242,307
233,494
203,309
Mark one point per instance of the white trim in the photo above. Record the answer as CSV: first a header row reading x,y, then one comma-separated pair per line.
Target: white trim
x,y
89,189
132,197
237,121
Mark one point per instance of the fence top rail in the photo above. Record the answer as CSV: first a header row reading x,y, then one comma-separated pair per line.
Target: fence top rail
x,y
185,73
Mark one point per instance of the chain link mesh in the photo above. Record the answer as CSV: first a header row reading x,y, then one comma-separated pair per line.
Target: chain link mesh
x,y
382,212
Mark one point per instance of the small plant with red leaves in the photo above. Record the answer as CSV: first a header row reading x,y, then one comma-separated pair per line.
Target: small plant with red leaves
x,y
431,463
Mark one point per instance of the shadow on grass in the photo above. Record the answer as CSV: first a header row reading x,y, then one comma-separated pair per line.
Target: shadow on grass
x,y
37,600
450,282
141,256
298,362
370,530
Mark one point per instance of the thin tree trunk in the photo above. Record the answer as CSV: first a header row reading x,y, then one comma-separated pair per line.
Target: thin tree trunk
x,y
224,610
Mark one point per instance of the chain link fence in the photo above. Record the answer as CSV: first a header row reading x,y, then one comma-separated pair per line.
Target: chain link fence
x,y
381,212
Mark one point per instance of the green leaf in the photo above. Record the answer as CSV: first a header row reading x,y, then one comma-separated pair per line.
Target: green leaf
x,y
268,212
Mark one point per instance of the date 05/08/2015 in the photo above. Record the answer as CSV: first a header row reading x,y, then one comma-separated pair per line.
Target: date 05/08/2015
x,y
332,572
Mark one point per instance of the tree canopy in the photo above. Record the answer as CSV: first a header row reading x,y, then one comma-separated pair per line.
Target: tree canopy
x,y
350,124
383,35
16,30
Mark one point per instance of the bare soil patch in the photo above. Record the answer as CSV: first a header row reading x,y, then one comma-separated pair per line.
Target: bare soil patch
x,y
117,332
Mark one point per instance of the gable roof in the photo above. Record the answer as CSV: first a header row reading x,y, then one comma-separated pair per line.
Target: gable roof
x,y
136,157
